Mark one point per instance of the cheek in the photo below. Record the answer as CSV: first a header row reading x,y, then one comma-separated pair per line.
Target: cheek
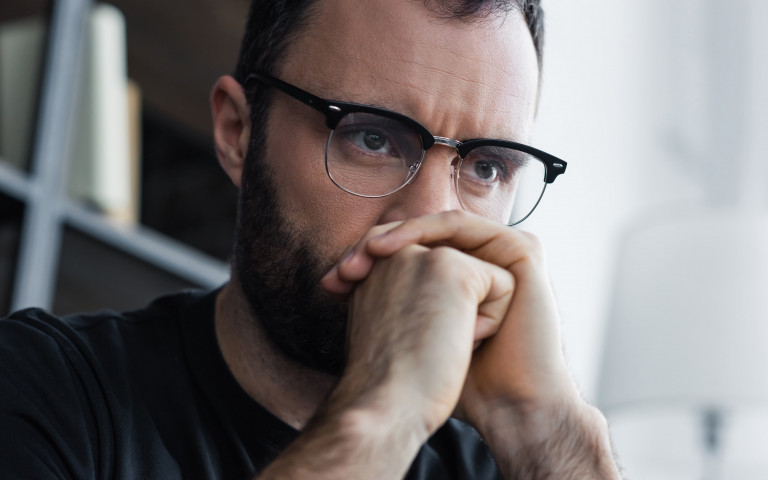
x,y
323,214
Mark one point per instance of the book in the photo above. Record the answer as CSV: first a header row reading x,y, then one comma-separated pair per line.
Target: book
x,y
105,148
105,158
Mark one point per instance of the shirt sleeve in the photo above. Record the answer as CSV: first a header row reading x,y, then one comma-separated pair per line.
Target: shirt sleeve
x,y
50,421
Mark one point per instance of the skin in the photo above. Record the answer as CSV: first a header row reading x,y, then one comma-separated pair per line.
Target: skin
x,y
449,313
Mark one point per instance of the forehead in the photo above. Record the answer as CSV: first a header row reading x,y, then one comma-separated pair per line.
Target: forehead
x,y
460,78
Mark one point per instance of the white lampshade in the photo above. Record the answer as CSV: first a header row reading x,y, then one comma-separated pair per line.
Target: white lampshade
x,y
689,323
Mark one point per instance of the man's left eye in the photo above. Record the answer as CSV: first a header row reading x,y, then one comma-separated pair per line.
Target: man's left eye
x,y
374,140
486,171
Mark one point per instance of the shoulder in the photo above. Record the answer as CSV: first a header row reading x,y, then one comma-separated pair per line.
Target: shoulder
x,y
105,343
69,385
103,330
49,398
42,348
37,345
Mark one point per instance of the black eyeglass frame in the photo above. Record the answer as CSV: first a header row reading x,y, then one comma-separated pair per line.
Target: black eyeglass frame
x,y
334,111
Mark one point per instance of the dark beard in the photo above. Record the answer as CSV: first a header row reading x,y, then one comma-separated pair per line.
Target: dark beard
x,y
279,273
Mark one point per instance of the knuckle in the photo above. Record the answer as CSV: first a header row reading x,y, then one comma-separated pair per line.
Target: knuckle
x,y
453,216
408,254
533,245
438,263
450,265
533,240
442,257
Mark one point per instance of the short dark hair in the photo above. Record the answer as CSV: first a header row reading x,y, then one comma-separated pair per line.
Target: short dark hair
x,y
273,23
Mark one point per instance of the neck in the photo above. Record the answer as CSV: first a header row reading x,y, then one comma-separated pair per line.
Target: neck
x,y
288,390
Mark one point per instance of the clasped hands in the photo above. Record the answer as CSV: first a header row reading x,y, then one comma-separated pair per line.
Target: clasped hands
x,y
452,314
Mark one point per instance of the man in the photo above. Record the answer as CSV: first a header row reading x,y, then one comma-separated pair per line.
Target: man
x,y
377,289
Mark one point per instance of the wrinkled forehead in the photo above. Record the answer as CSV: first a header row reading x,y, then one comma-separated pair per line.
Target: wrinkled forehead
x,y
475,75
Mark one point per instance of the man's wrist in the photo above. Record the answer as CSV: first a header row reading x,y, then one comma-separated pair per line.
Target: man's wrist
x,y
372,431
349,443
380,428
565,440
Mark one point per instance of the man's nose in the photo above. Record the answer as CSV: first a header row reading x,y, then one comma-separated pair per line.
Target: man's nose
x,y
432,191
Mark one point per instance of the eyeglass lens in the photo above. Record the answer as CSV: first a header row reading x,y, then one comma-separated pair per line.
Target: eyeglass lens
x,y
371,155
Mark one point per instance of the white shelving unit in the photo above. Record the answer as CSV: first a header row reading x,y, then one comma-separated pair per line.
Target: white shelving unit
x,y
47,209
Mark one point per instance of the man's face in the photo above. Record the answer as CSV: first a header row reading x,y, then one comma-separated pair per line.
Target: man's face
x,y
463,80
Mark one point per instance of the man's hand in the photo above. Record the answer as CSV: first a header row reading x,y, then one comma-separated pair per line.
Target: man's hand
x,y
517,391
522,364
412,326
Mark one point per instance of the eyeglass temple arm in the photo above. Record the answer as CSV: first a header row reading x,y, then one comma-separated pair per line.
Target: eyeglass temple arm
x,y
555,166
303,96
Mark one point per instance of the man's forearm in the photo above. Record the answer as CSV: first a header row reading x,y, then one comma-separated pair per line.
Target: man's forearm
x,y
563,443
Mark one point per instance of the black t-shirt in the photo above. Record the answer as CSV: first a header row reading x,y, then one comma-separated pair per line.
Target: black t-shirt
x,y
147,395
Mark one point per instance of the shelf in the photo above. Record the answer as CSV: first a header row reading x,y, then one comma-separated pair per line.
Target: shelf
x,y
13,182
92,275
141,242
147,245
62,254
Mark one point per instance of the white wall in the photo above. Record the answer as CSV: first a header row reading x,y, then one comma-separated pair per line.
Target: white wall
x,y
658,107
598,112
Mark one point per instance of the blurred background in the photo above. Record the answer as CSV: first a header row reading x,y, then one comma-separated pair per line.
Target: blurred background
x,y
111,192
657,236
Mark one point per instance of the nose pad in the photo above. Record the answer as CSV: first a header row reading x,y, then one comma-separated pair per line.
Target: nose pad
x,y
430,189
455,163
438,189
456,177
413,171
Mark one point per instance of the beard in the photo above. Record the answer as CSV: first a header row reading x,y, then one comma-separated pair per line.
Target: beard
x,y
279,272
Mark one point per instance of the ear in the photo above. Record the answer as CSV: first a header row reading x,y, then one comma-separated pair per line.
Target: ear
x,y
231,126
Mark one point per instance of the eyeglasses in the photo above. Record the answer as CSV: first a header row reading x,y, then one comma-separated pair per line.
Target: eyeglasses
x,y
373,152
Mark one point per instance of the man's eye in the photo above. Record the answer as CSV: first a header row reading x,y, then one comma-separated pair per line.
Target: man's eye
x,y
487,171
371,141
374,140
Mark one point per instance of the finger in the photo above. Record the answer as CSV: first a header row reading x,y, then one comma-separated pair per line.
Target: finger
x,y
355,264
480,237
334,284
490,286
492,309
534,329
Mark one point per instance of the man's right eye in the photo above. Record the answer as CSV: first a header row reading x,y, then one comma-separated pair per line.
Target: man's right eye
x,y
371,141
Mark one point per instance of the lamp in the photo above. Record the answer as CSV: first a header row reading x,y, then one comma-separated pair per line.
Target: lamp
x,y
689,323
